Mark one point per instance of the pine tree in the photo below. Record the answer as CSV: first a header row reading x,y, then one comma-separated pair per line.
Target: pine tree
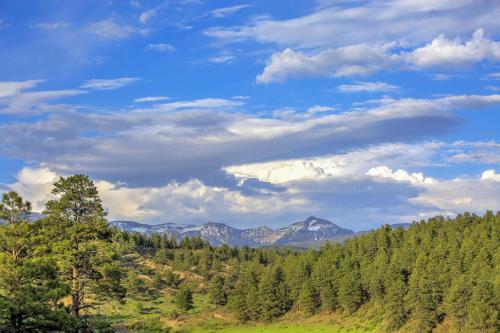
x,y
323,281
350,289
483,308
308,301
184,298
82,239
30,289
273,294
420,296
395,294
217,293
457,299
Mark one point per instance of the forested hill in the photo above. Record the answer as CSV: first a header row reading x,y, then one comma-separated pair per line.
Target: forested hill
x,y
72,272
437,272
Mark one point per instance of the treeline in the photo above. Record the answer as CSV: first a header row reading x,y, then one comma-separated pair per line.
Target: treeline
x,y
440,269
53,272
436,270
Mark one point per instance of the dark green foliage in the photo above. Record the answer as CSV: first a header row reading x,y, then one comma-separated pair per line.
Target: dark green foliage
x,y
171,279
184,298
350,290
30,289
396,289
273,294
217,292
308,300
82,239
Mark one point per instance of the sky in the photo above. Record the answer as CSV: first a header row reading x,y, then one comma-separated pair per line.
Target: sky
x,y
255,113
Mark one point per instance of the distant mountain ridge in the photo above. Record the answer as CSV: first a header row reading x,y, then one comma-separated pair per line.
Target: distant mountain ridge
x,y
309,233
313,229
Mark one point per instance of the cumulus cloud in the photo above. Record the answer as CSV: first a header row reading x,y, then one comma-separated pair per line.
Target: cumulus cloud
x,y
364,59
414,178
490,175
35,185
462,194
360,59
444,52
370,87
191,201
109,84
355,163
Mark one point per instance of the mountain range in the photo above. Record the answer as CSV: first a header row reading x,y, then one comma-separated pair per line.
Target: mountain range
x,y
312,232
306,233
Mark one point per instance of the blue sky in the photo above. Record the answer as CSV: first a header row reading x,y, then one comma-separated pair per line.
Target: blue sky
x,y
251,113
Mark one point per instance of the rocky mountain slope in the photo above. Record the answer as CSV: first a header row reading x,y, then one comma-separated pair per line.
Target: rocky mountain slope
x,y
312,229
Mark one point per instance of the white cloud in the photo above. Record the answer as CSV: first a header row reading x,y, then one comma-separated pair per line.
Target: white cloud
x,y
191,201
149,99
442,77
364,59
155,145
52,25
490,175
110,29
360,59
161,47
204,103
356,163
226,11
109,84
367,87
319,109
222,59
414,178
461,194
357,22
8,89
474,152
16,101
147,15
445,52
35,185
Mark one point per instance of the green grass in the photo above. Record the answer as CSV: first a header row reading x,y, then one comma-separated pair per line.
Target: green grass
x,y
273,328
153,315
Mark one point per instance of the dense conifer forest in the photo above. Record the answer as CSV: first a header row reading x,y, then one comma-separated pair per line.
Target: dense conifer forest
x,y
62,273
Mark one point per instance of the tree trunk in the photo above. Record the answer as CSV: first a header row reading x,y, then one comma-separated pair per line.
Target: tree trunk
x,y
75,294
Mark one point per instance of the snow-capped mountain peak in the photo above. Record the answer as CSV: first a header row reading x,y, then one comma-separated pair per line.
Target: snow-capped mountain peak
x,y
311,230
